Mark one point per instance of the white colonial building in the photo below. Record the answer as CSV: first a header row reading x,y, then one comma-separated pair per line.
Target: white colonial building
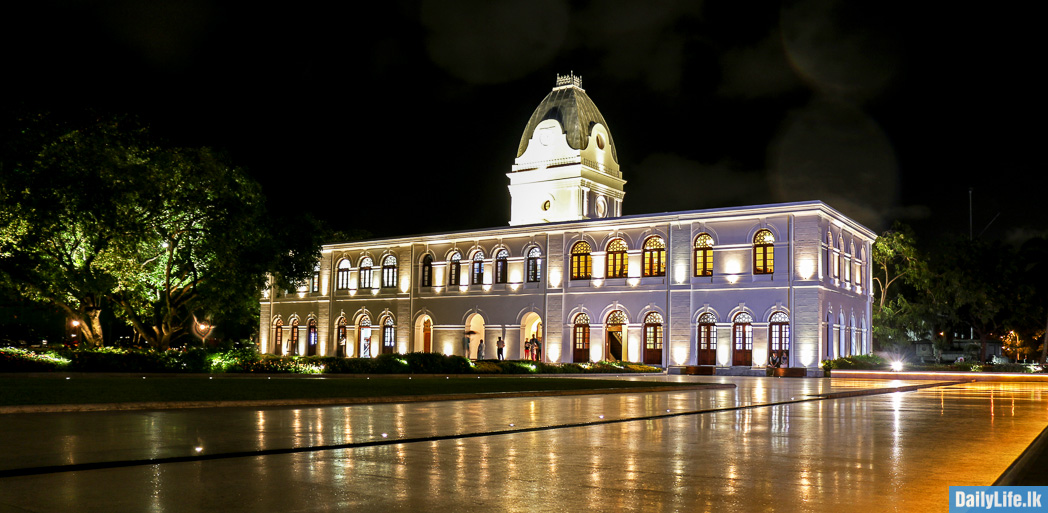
x,y
784,284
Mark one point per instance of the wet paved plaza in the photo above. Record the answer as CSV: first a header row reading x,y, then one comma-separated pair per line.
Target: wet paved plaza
x,y
767,445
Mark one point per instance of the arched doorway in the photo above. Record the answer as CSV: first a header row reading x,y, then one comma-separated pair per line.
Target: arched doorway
x,y
616,333
581,339
742,340
779,340
707,339
293,339
389,335
278,338
311,338
475,333
653,338
340,338
364,337
424,334
531,327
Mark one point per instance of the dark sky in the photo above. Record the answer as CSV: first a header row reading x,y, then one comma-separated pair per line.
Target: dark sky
x,y
403,117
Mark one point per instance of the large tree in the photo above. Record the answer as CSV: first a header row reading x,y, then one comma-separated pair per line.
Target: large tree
x,y
898,270
100,215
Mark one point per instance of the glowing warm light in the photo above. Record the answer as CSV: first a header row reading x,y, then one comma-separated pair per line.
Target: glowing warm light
x,y
733,278
680,355
515,277
760,356
447,348
514,286
806,269
438,274
732,266
438,289
553,352
486,287
680,273
633,282
597,282
352,292
76,323
405,284
554,279
463,288
807,358
374,292
896,366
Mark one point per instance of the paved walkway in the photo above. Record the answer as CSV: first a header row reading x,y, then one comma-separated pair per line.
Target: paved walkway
x,y
770,444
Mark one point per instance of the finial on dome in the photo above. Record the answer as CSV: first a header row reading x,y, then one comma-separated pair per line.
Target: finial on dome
x,y
569,80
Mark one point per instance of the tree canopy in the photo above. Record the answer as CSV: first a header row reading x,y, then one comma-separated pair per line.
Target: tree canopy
x,y
99,214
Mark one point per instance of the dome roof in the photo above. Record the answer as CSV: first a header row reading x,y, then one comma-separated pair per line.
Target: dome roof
x,y
569,104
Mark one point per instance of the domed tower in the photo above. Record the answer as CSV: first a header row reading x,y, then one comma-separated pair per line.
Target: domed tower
x,y
566,168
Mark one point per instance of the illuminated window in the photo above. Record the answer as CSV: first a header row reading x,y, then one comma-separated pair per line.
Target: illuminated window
x,y
654,260
455,268
707,339
502,266
534,265
837,259
293,339
311,338
763,252
617,317
704,255
364,279
742,336
314,281
848,266
581,337
779,353
340,337
478,268
278,337
617,262
389,271
581,261
426,278
342,278
389,340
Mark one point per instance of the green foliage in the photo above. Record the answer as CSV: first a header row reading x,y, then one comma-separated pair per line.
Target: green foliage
x,y
859,361
20,360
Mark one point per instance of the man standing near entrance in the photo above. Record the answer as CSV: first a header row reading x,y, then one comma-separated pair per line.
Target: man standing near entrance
x,y
501,345
465,346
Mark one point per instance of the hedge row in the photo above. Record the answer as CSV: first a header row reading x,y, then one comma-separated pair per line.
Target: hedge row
x,y
199,360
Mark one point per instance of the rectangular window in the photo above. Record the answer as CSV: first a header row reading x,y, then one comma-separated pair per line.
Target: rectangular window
x,y
454,273
365,278
501,270
581,267
478,272
704,262
534,273
343,279
616,264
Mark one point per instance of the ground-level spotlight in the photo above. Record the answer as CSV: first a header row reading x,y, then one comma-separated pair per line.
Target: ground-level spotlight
x,y
896,366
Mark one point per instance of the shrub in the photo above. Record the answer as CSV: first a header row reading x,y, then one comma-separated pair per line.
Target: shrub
x,y
859,361
21,360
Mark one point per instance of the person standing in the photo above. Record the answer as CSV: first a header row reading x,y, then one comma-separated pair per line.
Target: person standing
x,y
465,346
500,344
536,349
527,349
480,350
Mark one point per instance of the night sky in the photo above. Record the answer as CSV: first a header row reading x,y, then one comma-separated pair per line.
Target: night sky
x,y
402,118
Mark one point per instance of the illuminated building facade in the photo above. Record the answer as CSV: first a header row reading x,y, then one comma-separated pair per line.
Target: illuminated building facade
x,y
736,288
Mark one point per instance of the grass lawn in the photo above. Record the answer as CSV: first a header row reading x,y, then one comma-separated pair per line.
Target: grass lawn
x,y
86,390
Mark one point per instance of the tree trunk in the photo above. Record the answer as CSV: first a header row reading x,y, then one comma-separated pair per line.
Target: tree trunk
x,y
91,327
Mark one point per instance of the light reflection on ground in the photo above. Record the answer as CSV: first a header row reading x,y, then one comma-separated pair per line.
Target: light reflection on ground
x,y
887,452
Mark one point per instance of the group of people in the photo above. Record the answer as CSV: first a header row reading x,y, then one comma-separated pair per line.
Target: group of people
x,y
532,348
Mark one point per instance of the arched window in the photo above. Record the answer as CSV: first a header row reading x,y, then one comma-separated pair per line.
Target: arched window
x,y
293,339
837,259
478,268
653,338
779,340
389,271
863,348
502,266
314,281
311,338
365,273
342,278
389,338
581,261
534,265
581,338
830,353
704,255
616,260
858,268
742,336
278,337
707,339
426,273
854,337
654,257
763,252
340,338
455,268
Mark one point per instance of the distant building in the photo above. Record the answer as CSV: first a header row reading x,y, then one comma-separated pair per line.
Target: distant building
x,y
783,284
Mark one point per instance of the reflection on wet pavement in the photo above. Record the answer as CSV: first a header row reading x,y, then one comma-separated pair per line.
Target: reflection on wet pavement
x,y
897,451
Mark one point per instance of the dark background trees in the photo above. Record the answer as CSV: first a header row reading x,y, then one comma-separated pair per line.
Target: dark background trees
x,y
98,215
